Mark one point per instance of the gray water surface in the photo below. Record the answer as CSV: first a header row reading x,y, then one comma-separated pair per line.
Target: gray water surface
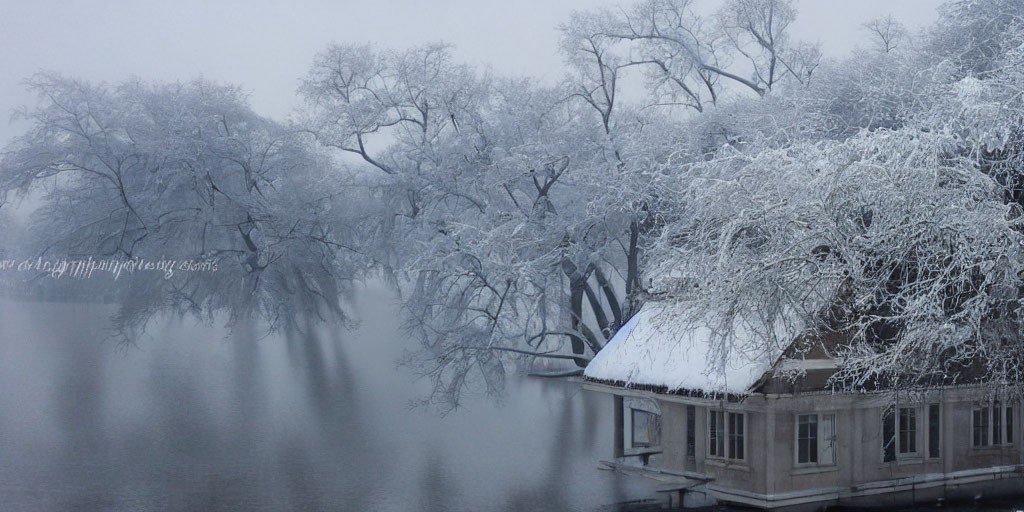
x,y
198,418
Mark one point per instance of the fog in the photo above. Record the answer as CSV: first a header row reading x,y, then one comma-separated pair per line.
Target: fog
x,y
267,46
197,418
360,256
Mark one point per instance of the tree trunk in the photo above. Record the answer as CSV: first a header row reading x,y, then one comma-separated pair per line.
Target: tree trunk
x,y
633,269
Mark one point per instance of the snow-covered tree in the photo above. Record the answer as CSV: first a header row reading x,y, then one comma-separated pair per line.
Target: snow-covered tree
x,y
887,236
687,58
887,33
518,210
183,171
901,230
879,194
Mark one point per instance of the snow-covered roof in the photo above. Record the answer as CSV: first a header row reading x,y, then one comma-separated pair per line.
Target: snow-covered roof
x,y
660,347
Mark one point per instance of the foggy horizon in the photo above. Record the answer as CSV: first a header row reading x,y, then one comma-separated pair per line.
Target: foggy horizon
x,y
266,47
579,256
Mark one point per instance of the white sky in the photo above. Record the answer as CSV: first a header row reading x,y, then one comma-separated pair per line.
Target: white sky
x,y
267,46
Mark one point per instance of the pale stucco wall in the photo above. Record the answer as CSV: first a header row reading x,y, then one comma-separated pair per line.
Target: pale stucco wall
x,y
769,466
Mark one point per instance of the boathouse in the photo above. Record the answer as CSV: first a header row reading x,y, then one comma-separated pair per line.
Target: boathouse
x,y
765,429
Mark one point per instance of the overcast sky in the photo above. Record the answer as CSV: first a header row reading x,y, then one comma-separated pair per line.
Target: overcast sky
x,y
267,46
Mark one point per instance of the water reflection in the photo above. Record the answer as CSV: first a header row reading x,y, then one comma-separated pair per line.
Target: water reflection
x,y
201,418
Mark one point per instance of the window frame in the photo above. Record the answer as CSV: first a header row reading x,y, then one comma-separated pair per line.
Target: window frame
x,y
716,433
820,439
914,431
727,435
981,437
1009,423
920,433
998,424
735,442
632,428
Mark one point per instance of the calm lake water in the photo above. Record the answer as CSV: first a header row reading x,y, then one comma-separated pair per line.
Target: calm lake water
x,y
197,418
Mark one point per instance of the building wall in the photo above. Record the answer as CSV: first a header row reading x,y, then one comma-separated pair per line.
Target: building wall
x,y
747,473
769,466
784,475
674,436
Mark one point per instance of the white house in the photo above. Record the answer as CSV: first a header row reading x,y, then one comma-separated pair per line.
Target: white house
x,y
735,430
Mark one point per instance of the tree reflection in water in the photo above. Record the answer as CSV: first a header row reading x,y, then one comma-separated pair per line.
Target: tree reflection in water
x,y
198,417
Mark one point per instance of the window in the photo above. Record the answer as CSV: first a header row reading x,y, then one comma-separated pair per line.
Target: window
x,y
828,436
1010,425
735,435
997,426
991,425
716,434
815,439
807,439
726,431
979,426
888,435
908,430
646,428
641,422
691,434
934,425
899,433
